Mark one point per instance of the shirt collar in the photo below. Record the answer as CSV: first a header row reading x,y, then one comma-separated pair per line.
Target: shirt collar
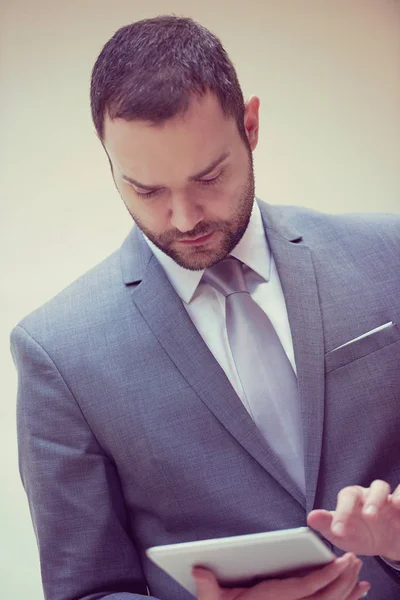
x,y
252,250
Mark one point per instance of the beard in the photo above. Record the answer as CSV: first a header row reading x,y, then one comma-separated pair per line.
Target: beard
x,y
197,258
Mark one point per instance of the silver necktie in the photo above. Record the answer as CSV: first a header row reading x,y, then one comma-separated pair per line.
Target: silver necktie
x,y
267,377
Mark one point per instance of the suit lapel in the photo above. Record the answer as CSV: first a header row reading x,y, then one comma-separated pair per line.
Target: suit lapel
x,y
296,272
166,316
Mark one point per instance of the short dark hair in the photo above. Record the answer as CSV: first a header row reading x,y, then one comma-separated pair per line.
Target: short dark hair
x,y
151,69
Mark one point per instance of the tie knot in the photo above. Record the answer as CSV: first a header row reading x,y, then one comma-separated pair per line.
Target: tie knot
x,y
226,276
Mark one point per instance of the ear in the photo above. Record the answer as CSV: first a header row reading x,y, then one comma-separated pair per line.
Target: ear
x,y
251,120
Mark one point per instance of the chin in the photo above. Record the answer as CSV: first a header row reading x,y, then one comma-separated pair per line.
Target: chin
x,y
196,261
199,258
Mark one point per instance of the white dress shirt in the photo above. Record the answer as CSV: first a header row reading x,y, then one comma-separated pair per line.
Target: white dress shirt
x,y
206,306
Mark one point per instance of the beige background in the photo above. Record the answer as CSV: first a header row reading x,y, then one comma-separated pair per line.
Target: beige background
x,y
328,74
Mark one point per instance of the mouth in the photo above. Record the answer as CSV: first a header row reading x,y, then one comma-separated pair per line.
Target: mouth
x,y
197,241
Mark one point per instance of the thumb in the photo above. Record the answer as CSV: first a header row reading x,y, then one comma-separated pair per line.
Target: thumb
x,y
206,584
321,521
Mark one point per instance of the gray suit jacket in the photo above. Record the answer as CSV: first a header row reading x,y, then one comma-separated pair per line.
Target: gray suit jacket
x,y
130,434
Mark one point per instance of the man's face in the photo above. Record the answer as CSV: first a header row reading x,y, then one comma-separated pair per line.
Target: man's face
x,y
188,183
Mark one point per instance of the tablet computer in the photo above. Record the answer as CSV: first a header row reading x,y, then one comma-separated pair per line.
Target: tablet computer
x,y
243,560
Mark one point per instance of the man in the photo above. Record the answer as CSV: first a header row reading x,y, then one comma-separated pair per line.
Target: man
x,y
230,370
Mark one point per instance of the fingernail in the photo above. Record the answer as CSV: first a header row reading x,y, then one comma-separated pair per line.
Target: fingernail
x,y
370,510
366,591
338,528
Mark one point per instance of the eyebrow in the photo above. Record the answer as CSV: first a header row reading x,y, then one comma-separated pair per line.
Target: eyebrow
x,y
139,185
198,175
210,167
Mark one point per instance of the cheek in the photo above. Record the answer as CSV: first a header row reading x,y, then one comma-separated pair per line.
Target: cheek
x,y
237,182
151,213
145,210
156,218
231,197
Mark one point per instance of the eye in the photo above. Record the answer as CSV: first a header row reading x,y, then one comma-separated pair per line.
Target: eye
x,y
211,181
146,194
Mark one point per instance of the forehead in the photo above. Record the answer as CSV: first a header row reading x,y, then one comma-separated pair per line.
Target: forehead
x,y
181,145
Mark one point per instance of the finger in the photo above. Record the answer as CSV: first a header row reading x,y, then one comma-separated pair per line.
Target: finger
x,y
344,585
376,497
360,591
320,578
351,583
349,499
395,497
321,521
207,587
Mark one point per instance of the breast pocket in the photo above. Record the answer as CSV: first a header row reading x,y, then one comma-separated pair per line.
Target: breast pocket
x,y
362,346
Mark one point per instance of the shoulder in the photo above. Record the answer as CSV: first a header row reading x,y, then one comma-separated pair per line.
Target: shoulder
x,y
84,304
349,229
356,221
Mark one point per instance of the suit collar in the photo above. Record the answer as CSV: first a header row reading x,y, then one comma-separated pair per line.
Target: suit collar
x,y
276,221
294,262
135,256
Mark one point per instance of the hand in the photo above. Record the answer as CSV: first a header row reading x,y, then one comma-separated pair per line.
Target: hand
x,y
336,581
365,521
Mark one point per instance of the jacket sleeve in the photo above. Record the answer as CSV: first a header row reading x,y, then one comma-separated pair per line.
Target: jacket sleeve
x,y
74,493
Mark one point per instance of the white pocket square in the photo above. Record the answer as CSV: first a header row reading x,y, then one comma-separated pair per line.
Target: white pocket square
x,y
360,337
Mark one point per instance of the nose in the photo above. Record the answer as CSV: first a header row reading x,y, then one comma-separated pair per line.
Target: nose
x,y
185,213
